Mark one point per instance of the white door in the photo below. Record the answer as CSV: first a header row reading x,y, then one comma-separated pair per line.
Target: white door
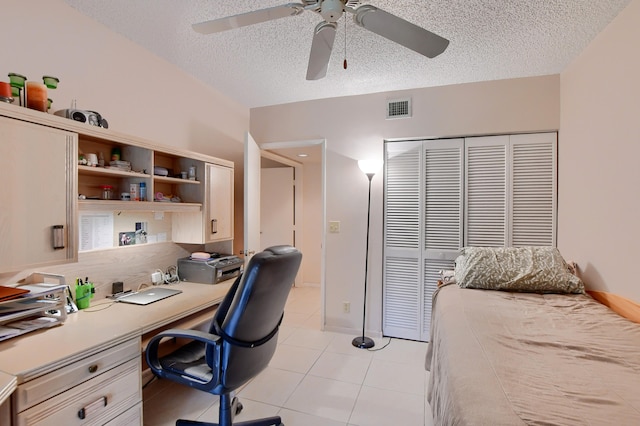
x,y
251,198
277,207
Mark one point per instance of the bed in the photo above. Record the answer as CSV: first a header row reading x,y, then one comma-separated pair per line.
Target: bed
x,y
529,354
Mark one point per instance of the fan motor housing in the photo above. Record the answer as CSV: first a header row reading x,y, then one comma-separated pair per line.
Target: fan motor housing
x,y
332,10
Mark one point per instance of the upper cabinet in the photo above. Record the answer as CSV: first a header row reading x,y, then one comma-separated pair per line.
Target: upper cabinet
x,y
47,186
38,214
215,222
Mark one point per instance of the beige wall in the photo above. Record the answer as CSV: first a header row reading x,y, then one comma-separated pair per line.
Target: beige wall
x,y
355,128
599,177
137,92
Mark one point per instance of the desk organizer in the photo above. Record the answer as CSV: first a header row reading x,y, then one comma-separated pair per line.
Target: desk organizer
x,y
43,307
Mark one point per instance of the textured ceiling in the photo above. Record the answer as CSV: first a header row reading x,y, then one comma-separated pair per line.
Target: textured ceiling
x,y
265,64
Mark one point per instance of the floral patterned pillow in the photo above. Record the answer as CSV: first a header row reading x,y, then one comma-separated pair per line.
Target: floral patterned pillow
x,y
525,269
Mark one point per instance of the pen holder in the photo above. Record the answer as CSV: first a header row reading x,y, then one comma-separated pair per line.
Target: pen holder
x,y
84,294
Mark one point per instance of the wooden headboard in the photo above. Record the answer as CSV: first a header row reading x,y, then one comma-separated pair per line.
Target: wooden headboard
x,y
620,305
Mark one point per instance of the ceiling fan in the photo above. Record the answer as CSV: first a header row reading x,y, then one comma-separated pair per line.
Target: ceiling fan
x,y
369,17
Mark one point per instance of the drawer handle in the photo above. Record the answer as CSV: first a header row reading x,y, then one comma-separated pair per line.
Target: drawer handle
x,y
92,407
93,368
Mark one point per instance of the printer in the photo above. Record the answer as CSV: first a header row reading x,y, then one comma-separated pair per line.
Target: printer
x,y
212,270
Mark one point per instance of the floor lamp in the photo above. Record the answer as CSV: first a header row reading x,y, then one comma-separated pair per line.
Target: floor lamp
x,y
369,167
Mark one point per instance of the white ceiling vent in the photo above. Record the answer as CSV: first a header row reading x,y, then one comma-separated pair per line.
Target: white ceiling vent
x,y
398,108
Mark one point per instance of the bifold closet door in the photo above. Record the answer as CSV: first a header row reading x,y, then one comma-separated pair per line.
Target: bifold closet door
x,y
423,229
402,239
534,197
510,190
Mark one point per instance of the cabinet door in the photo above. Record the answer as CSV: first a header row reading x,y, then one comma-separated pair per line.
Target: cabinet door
x,y
219,226
39,191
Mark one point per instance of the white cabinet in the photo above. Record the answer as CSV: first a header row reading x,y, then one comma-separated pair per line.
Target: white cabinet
x,y
100,388
215,222
38,192
43,182
219,226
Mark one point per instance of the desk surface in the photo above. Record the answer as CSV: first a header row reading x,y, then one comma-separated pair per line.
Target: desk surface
x,y
103,325
8,384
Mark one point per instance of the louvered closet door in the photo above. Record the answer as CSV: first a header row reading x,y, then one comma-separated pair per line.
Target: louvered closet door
x,y
510,190
423,229
443,216
486,189
442,194
402,239
533,187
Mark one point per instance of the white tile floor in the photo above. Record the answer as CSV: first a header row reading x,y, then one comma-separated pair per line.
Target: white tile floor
x,y
315,378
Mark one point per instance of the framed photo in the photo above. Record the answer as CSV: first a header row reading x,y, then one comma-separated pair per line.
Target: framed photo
x,y
127,238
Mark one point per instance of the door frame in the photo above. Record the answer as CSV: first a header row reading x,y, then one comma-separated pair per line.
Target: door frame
x,y
322,143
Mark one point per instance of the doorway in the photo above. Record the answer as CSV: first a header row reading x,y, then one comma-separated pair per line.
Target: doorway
x,y
307,162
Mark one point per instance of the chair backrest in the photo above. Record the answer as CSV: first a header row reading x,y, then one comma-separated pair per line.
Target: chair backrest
x,y
249,316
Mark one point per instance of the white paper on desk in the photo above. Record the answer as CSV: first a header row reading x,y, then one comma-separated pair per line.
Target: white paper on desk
x,y
96,230
24,306
41,288
8,331
32,324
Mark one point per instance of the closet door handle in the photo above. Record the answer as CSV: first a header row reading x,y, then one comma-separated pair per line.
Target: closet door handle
x,y
214,226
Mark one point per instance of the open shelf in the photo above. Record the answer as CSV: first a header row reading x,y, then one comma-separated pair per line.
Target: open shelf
x,y
173,180
155,206
104,171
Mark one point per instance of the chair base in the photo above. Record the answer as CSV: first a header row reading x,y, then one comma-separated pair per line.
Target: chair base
x,y
230,406
269,421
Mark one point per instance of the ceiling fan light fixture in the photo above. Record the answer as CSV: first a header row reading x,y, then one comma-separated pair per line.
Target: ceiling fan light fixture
x,y
332,10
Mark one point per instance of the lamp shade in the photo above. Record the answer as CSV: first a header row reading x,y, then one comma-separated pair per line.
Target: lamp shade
x,y
369,166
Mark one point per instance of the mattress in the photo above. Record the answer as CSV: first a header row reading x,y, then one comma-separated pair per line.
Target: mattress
x,y
503,358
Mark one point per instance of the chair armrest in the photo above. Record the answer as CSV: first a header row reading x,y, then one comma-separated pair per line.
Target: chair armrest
x,y
201,336
153,360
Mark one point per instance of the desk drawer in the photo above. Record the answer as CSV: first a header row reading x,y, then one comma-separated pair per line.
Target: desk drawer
x,y
131,417
35,391
94,402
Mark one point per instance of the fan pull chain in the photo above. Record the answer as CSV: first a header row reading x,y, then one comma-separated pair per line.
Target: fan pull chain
x,y
345,42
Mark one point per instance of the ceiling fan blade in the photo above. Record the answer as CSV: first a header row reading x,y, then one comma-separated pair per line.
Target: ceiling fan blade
x,y
400,31
321,48
249,18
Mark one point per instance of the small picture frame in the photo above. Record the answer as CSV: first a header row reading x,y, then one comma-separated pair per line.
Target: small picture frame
x,y
126,238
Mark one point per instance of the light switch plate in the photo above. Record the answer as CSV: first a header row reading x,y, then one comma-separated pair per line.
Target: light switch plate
x,y
334,227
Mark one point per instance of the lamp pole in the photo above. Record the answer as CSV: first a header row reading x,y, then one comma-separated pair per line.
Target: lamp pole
x,y
363,342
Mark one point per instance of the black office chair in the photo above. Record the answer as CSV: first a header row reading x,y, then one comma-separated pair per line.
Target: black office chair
x,y
242,338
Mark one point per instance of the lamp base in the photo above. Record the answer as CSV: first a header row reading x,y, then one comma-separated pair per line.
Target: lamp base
x,y
363,342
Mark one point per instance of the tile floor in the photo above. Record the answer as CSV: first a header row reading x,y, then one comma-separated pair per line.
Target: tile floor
x,y
315,378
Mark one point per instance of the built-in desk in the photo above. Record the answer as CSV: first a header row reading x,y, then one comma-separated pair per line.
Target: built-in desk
x,y
95,347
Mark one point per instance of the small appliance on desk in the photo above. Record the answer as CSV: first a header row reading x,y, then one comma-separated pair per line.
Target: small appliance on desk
x,y
209,268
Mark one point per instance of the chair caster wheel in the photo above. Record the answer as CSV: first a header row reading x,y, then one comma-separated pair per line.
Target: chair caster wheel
x,y
236,405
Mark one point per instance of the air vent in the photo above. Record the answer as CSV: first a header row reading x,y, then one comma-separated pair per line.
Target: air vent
x,y
399,108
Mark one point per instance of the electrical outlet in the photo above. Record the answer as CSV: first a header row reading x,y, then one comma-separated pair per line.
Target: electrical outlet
x,y
334,227
346,307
